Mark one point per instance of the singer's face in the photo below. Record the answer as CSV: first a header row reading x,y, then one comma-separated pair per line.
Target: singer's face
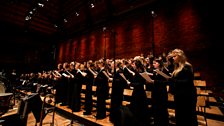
x,y
155,64
175,58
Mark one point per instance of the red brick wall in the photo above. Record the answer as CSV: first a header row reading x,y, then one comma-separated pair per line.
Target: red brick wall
x,y
181,25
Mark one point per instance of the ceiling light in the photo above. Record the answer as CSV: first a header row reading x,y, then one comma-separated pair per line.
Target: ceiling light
x,y
55,25
76,13
92,5
153,14
40,4
27,18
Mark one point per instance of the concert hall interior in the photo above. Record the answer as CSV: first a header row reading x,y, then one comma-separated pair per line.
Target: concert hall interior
x,y
93,62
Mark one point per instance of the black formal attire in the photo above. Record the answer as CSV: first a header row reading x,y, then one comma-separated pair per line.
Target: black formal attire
x,y
71,87
61,89
129,76
185,97
160,100
58,86
102,93
138,104
88,105
118,86
76,105
65,82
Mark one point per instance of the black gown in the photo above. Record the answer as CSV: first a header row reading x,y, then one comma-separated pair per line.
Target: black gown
x,y
185,97
77,87
102,93
139,104
88,105
160,100
71,87
118,86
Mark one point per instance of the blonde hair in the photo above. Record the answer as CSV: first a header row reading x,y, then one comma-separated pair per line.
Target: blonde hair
x,y
182,61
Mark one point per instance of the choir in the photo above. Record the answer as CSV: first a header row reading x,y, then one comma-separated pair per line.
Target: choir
x,y
167,70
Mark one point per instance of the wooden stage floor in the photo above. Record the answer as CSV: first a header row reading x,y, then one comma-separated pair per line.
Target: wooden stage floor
x,y
63,120
64,115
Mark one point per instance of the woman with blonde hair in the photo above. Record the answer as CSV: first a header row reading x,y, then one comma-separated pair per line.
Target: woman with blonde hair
x,y
184,91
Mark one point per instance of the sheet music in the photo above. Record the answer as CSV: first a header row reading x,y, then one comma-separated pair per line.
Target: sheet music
x,y
65,75
146,77
162,74
150,74
94,74
57,73
82,73
71,75
105,73
133,73
24,81
122,75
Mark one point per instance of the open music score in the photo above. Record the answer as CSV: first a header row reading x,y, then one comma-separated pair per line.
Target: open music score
x,y
122,75
146,76
162,74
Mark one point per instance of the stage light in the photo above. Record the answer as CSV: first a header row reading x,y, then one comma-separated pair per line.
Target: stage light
x,y
153,14
27,18
65,20
40,4
76,13
55,25
92,5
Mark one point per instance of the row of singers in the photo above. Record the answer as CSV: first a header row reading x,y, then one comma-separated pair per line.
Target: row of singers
x,y
69,78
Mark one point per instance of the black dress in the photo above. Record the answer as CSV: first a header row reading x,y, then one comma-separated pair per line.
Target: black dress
x,y
185,97
77,87
71,88
127,74
160,100
118,86
102,93
89,79
139,105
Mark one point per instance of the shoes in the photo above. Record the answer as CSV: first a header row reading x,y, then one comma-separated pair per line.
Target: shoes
x,y
100,117
76,110
86,113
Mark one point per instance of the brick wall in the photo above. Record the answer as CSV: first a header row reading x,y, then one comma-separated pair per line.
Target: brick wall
x,y
184,25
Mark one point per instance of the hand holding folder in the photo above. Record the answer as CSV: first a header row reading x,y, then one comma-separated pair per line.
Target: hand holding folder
x,y
147,77
163,74
122,75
